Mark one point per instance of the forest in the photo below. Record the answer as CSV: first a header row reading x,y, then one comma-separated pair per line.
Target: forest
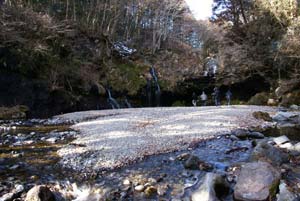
x,y
66,54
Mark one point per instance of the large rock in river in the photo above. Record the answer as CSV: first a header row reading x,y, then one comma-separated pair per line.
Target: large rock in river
x,y
212,188
257,181
266,152
40,193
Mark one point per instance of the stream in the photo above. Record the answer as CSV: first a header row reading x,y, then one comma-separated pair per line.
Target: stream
x,y
28,157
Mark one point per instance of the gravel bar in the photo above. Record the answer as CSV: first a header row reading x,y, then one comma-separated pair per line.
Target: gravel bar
x,y
113,138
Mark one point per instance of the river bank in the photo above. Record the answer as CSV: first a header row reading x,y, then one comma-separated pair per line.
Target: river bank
x,y
192,165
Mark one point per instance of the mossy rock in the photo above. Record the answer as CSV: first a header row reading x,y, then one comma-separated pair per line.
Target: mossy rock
x,y
259,99
292,98
127,77
178,104
262,115
16,112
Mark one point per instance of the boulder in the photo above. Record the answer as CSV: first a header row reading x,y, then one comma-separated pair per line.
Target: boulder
x,y
40,193
291,98
284,116
257,181
241,133
294,107
262,115
297,147
16,112
259,99
285,194
256,135
266,152
281,140
291,130
192,162
213,187
272,102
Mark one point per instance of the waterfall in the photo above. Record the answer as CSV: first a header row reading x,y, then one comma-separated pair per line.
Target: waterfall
x,y
157,87
127,104
113,103
149,93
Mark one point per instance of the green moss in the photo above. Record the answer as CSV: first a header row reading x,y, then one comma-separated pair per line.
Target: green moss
x,y
127,77
178,104
259,99
274,189
17,112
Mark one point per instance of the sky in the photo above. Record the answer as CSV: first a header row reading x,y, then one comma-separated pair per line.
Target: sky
x,y
200,8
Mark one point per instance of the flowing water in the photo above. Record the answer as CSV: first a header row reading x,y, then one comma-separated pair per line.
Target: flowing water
x,y
28,156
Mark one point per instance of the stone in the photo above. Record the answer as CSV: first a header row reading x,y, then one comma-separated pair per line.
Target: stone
x,y
40,193
256,135
183,157
257,181
52,140
285,194
7,197
162,190
213,187
233,138
266,152
287,146
284,116
139,188
259,99
19,188
272,102
126,182
205,166
192,162
262,115
150,191
297,147
241,133
281,140
294,107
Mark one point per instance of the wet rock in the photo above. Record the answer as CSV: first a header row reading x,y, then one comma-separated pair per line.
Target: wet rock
x,y
257,181
287,146
139,188
52,140
17,112
266,152
256,135
150,191
262,115
290,129
126,182
294,107
192,162
285,194
241,133
233,138
14,194
297,147
205,166
213,187
7,197
272,102
162,190
40,193
19,188
281,140
183,157
152,181
284,116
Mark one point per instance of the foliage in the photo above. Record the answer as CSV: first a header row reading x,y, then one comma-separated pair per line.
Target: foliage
x,y
261,38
